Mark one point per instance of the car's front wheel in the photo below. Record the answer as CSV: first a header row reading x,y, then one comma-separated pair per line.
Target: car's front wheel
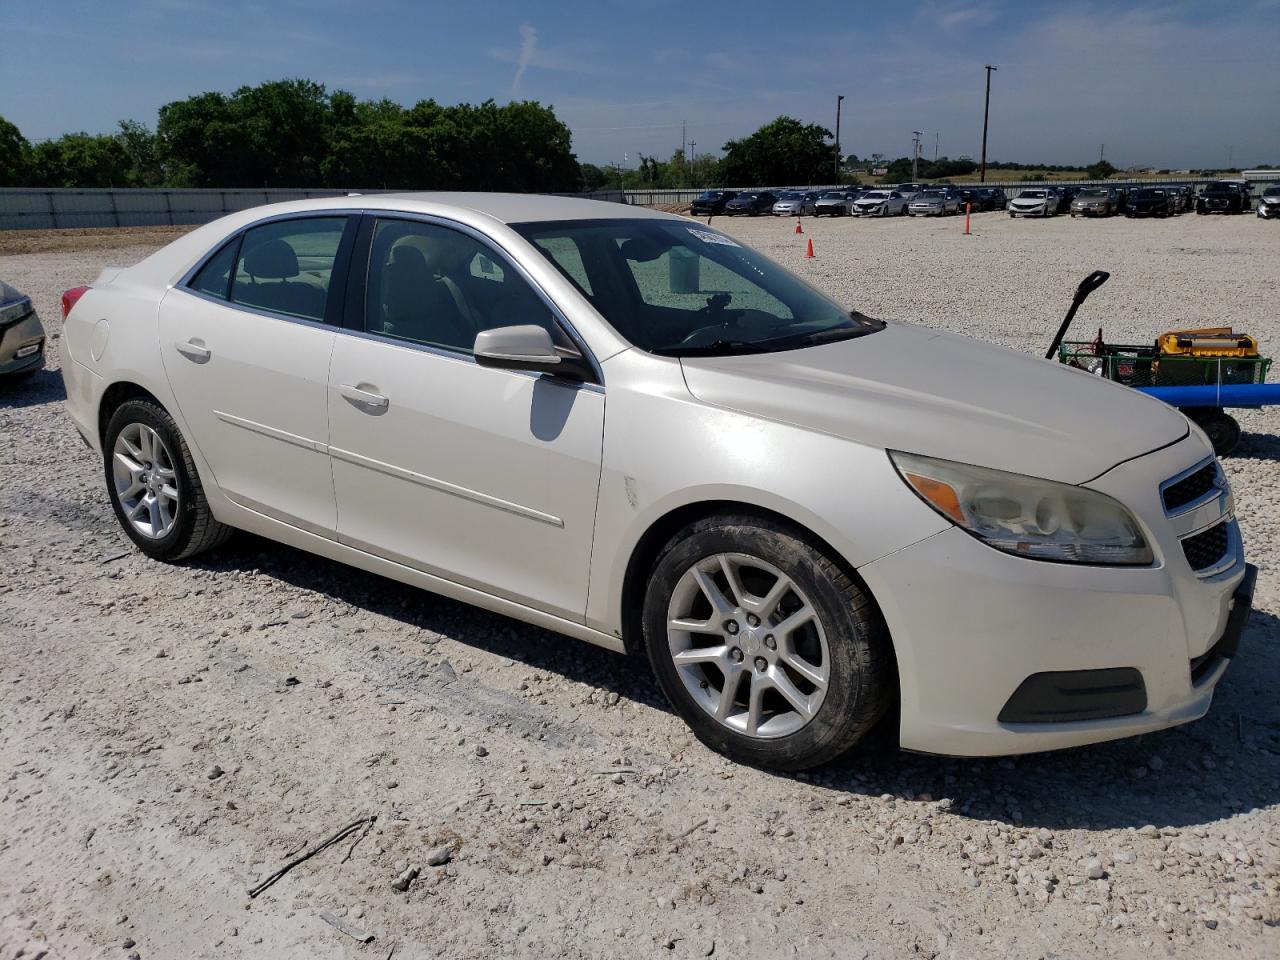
x,y
767,648
155,491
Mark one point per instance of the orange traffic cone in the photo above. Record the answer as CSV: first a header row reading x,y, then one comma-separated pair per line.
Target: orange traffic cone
x,y
808,250
799,229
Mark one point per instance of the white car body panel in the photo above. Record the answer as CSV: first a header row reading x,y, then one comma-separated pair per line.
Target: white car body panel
x,y
256,406
496,490
529,497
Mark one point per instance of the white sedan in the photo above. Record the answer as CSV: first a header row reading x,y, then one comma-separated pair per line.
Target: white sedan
x,y
881,203
1034,203
629,428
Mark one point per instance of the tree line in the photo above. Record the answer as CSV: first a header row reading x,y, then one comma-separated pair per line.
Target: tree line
x,y
295,133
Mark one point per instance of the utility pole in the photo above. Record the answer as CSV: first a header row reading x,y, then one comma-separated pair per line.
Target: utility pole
x,y
986,115
839,99
1102,152
936,138
693,159
683,152
915,155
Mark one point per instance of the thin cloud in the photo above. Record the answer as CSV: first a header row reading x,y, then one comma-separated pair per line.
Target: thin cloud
x,y
528,47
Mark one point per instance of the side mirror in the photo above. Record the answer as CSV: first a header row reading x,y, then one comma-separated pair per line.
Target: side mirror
x,y
529,347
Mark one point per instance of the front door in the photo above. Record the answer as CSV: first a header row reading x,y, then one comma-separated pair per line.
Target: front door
x,y
246,347
484,477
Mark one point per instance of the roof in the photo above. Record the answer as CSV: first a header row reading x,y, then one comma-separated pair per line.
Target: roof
x,y
512,207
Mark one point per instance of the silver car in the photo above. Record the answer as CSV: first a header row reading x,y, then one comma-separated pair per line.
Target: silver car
x,y
795,203
804,518
1269,203
835,203
1095,202
934,203
21,333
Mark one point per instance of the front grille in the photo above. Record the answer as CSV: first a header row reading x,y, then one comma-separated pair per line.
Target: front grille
x,y
1207,548
1190,488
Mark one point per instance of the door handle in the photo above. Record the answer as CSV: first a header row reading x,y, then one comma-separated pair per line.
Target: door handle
x,y
195,350
365,397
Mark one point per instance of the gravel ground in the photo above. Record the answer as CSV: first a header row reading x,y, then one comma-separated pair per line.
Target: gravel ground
x,y
173,735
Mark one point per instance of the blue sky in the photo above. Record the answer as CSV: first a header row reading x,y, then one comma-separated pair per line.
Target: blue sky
x,y
1168,84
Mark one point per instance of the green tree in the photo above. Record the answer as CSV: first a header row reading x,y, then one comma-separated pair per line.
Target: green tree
x,y
80,160
1102,170
139,143
782,151
15,156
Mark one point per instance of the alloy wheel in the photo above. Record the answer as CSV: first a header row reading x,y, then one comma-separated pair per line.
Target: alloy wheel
x,y
146,483
748,645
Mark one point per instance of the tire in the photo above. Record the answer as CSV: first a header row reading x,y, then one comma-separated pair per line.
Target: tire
x,y
845,642
1220,427
190,528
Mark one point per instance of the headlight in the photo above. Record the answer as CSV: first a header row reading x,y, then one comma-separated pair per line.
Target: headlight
x,y
15,310
1025,516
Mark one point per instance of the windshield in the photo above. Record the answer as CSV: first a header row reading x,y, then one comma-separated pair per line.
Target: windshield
x,y
681,290
876,195
833,195
932,195
1094,194
1271,192
1033,194
1149,194
790,196
711,195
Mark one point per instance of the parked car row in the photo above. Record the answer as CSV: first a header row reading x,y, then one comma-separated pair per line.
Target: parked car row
x,y
941,199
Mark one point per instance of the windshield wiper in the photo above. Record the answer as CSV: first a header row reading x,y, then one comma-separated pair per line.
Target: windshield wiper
x,y
717,348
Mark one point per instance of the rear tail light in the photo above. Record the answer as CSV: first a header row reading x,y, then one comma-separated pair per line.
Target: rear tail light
x,y
70,297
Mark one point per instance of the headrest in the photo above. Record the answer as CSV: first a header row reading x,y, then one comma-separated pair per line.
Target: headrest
x,y
407,257
272,260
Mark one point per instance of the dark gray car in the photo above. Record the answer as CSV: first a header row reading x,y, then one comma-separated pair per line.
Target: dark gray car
x,y
21,333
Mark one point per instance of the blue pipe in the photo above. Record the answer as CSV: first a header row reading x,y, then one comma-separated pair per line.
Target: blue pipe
x,y
1226,395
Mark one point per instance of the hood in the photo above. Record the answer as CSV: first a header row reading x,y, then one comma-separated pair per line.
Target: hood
x,y
938,394
10,294
1031,201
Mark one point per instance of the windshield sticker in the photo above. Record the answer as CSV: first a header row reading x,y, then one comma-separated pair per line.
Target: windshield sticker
x,y
708,237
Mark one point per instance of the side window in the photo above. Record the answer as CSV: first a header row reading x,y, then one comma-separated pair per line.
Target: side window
x,y
215,276
286,266
440,287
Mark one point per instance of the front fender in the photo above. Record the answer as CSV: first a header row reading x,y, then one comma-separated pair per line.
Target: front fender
x,y
664,450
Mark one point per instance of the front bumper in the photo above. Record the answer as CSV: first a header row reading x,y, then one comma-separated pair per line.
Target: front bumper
x,y
1037,211
22,345
971,625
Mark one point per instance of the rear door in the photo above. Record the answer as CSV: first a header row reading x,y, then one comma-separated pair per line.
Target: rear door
x,y
246,342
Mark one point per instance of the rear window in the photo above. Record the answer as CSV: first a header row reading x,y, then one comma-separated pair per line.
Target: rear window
x,y
215,276
286,266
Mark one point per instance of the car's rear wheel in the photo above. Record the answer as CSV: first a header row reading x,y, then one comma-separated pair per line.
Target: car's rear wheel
x,y
769,651
155,491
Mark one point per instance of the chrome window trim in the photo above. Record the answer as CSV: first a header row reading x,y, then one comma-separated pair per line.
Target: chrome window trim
x,y
209,254
507,257
183,285
257,311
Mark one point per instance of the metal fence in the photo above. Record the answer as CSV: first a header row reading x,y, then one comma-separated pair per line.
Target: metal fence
x,y
29,208
1011,187
34,208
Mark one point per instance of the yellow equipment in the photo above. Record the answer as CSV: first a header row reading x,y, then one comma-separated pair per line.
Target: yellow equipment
x,y
1207,342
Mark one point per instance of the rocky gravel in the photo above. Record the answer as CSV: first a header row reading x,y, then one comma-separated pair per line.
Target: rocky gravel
x,y
173,736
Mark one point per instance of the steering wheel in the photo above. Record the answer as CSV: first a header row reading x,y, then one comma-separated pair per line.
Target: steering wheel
x,y
738,322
